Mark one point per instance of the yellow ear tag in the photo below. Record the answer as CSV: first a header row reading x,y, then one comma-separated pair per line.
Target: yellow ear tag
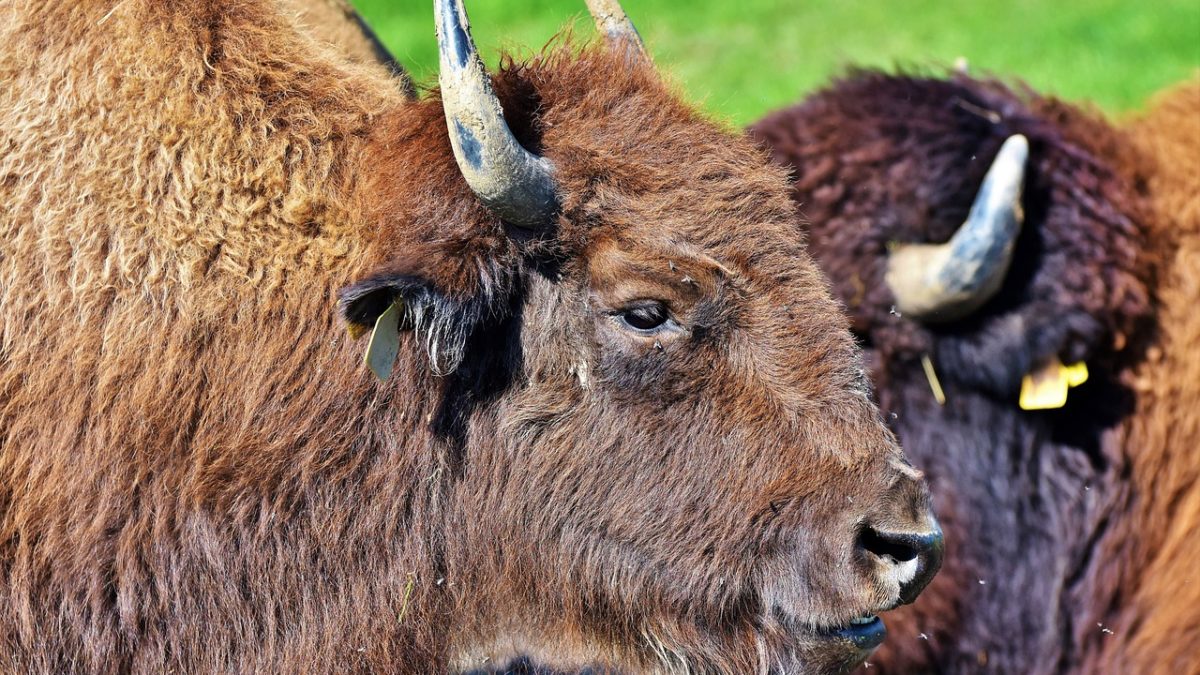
x,y
385,342
1046,388
1077,373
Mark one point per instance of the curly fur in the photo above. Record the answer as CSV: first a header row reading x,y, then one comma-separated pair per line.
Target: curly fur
x,y
1068,545
197,474
335,22
1159,603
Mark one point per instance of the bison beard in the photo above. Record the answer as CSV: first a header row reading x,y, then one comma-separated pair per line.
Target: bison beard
x,y
197,475
1082,558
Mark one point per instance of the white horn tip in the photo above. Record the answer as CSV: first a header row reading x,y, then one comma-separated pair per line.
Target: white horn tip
x,y
1002,185
1014,151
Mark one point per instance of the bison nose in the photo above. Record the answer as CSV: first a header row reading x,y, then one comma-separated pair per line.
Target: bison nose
x,y
912,559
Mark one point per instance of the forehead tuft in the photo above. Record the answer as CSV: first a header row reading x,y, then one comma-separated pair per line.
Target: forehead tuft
x,y
629,152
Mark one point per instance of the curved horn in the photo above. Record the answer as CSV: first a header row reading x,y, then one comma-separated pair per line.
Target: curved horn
x,y
514,183
612,21
944,282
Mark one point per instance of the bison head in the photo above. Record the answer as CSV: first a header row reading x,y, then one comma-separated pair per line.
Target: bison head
x,y
656,429
977,235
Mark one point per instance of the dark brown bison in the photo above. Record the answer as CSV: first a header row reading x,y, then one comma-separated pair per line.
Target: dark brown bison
x,y
625,424
1082,549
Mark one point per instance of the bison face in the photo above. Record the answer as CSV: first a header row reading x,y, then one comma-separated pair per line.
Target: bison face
x,y
701,473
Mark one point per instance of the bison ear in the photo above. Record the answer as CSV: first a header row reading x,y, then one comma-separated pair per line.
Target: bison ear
x,y
443,318
362,302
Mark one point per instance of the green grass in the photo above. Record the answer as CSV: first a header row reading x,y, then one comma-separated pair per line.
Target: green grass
x,y
741,58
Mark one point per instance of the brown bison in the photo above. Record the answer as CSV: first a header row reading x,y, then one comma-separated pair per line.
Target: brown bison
x,y
626,425
1083,245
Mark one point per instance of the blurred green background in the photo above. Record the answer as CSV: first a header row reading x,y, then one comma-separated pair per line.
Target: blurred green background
x,y
741,58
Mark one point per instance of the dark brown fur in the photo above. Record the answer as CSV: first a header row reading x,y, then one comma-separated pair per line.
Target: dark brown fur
x,y
198,475
1071,545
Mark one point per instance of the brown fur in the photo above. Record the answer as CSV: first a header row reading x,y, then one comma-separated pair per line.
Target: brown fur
x,y
336,23
1156,620
1071,533
198,475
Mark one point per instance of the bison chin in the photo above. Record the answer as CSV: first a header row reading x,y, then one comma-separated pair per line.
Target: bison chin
x,y
771,642
777,644
808,650
787,644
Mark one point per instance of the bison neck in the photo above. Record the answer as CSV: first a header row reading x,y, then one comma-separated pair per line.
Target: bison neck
x,y
188,441
1028,502
1069,533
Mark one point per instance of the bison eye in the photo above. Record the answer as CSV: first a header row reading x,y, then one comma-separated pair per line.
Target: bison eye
x,y
646,316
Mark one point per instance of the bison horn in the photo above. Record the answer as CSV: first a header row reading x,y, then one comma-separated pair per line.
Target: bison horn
x,y
612,21
514,183
944,282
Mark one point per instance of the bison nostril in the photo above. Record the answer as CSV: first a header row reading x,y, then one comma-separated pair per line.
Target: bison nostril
x,y
911,559
899,547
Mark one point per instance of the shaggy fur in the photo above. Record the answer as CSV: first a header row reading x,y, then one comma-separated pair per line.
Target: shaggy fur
x,y
198,475
1158,610
1070,531
335,22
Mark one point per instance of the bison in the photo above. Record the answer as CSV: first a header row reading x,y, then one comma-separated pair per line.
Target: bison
x,y
1070,514
615,418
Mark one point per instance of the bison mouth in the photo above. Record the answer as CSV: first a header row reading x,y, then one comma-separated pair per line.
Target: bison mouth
x,y
833,648
784,648
865,633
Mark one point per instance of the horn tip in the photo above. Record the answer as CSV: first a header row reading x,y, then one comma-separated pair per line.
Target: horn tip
x,y
1008,167
1016,148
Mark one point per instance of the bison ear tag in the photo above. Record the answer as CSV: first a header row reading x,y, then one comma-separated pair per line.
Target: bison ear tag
x,y
1046,388
385,342
1076,373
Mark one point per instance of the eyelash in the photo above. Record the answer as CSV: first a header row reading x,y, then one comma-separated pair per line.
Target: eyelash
x,y
644,318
